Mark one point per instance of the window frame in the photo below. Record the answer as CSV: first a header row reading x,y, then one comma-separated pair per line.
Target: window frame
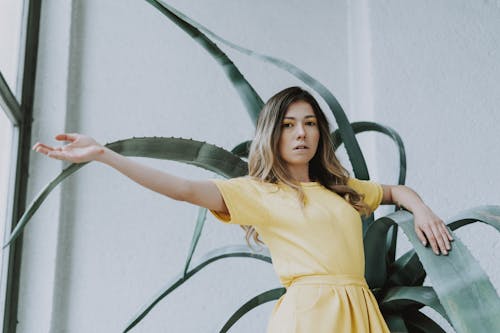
x,y
21,116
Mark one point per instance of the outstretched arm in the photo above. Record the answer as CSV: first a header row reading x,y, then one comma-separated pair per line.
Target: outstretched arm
x,y
428,226
83,148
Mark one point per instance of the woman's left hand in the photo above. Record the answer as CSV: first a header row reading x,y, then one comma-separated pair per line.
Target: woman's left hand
x,y
429,226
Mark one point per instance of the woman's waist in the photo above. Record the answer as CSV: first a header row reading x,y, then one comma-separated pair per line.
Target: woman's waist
x,y
326,279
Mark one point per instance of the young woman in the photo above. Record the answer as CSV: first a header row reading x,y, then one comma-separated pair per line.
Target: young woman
x,y
304,206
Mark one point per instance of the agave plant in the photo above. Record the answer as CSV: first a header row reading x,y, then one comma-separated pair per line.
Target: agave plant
x,y
461,292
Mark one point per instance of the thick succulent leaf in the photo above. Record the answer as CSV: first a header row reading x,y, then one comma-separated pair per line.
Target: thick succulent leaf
x,y
241,251
9,103
200,222
262,298
197,153
417,322
464,290
367,126
251,100
396,323
352,146
40,198
488,214
408,269
375,252
200,154
399,299
243,149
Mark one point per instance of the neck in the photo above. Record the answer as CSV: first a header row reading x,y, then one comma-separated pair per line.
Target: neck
x,y
299,173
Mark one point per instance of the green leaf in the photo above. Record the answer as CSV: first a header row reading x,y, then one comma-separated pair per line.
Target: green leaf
x,y
262,298
375,253
487,214
411,272
395,323
212,256
251,100
200,154
464,290
368,126
352,146
243,149
407,270
200,222
398,299
417,322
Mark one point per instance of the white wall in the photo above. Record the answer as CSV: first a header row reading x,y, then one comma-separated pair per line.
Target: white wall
x,y
102,246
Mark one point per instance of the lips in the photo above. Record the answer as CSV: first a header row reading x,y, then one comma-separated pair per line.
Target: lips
x,y
300,147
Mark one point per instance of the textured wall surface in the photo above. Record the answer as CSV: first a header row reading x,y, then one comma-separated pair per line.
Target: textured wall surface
x,y
435,80
102,246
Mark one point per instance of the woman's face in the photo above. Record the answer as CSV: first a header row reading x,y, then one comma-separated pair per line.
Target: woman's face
x,y
299,135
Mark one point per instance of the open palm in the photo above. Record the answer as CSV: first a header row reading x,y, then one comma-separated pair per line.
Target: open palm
x,y
82,148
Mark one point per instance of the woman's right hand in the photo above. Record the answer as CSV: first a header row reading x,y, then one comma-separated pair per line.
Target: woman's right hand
x,y
82,148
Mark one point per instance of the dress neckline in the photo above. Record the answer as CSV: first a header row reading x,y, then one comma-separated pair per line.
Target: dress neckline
x,y
309,184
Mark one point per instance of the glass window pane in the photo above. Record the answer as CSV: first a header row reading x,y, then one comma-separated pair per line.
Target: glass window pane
x,y
6,131
10,36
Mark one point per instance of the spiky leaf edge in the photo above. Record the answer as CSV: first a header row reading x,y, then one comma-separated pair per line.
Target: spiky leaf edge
x,y
197,153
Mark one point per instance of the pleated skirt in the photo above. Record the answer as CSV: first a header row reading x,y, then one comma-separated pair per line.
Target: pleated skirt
x,y
327,304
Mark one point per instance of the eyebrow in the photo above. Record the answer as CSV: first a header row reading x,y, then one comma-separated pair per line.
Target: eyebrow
x,y
310,116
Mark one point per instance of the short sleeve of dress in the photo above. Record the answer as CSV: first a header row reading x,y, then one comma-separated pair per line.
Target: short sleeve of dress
x,y
372,191
243,199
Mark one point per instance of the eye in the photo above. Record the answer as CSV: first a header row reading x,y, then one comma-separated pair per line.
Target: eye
x,y
286,125
311,123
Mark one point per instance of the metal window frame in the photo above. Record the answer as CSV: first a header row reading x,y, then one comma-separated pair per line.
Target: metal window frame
x,y
21,114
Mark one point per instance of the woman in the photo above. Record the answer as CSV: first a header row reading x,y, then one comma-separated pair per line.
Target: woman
x,y
303,204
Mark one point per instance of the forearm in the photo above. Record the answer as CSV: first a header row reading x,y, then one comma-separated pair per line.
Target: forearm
x,y
428,226
156,180
405,197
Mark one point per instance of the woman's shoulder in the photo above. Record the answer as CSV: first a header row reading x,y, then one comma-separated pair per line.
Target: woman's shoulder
x,y
251,183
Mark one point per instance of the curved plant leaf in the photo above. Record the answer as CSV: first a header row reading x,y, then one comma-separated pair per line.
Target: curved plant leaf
x,y
375,251
243,149
212,256
352,146
395,323
262,298
416,321
197,153
464,290
409,271
398,299
368,126
252,101
200,222
406,271
488,214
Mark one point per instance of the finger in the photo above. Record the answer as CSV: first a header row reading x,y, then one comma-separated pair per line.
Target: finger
x,y
421,236
439,239
445,234
432,240
448,233
41,145
56,155
66,137
43,149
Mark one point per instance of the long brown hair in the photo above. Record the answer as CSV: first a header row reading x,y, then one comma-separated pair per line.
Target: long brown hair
x,y
266,164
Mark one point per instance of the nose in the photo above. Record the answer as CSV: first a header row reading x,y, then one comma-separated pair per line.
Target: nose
x,y
301,132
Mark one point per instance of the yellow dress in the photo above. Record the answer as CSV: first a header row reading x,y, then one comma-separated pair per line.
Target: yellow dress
x,y
317,252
